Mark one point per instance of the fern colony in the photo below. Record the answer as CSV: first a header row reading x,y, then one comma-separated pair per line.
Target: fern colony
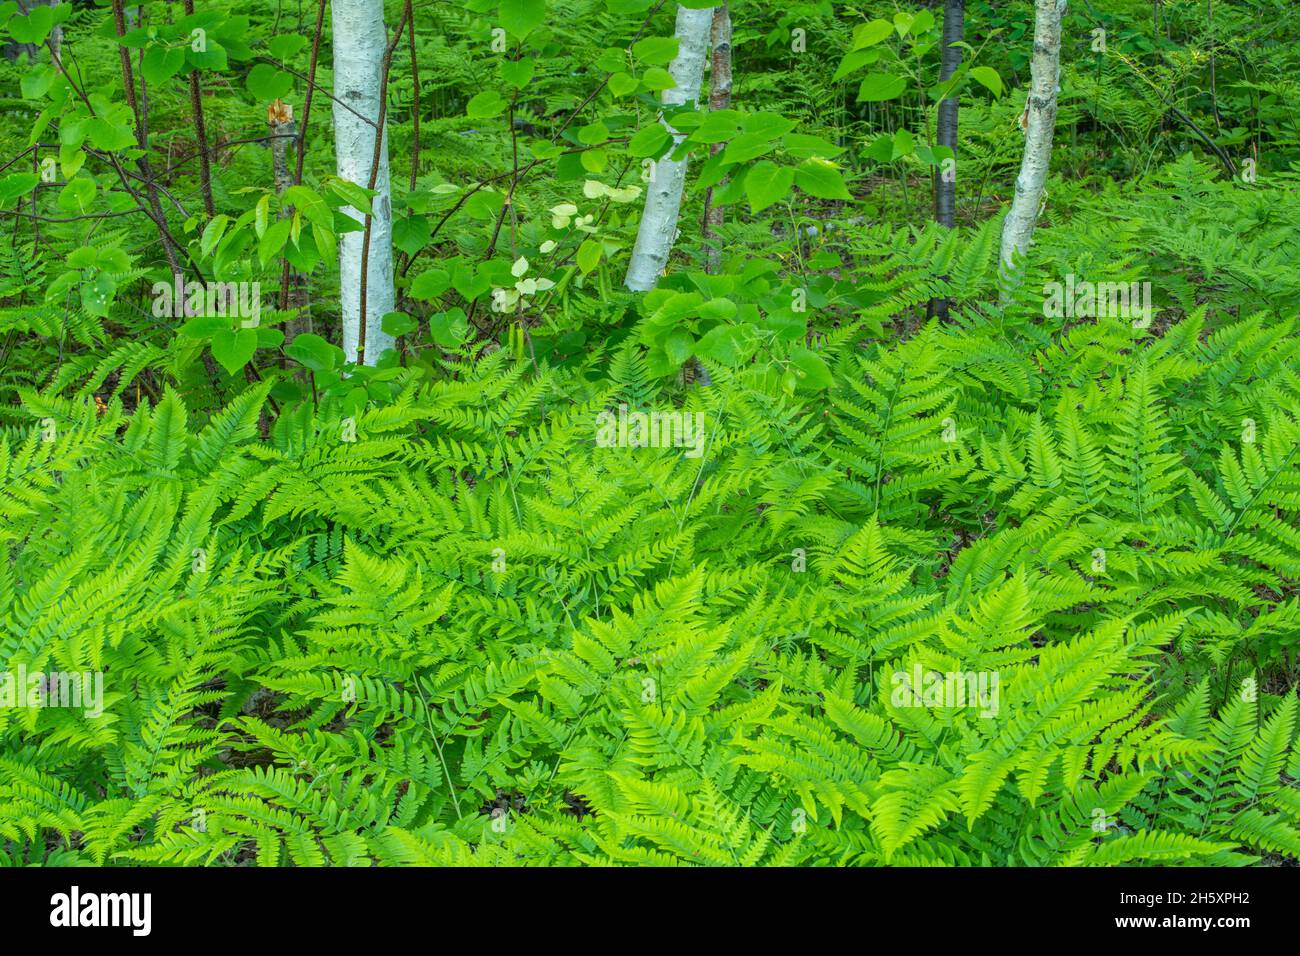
x,y
849,543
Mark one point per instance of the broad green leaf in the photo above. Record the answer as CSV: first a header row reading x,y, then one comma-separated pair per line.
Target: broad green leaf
x,y
161,63
485,104
398,323
811,371
522,17
358,197
589,254
716,310
904,144
326,243
430,284
593,134
71,159
234,348
34,27
766,183
308,202
267,83
805,147
287,45
273,240
620,84
869,34
37,81
313,352
410,233
649,141
771,125
470,282
17,184
78,194
679,346
877,87
656,51
853,61
449,329
657,78
726,344
747,146
881,149
109,137
212,58
204,326
97,295
987,77
819,178
517,73
718,127
212,233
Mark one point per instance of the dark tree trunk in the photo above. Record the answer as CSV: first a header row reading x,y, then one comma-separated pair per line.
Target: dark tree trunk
x,y
719,99
945,183
954,13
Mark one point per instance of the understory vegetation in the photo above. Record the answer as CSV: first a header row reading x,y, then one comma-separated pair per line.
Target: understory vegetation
x,y
852,542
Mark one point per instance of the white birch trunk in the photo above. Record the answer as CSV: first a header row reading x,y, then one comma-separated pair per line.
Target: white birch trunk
x,y
360,40
663,198
1045,75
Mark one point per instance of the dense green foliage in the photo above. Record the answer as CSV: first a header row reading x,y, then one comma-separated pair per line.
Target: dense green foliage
x,y
418,613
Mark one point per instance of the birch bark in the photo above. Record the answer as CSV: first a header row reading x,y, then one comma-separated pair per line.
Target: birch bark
x,y
360,41
663,200
1040,110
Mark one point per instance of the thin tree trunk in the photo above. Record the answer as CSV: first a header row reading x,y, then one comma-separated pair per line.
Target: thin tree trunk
x,y
945,196
301,145
719,99
1045,74
200,131
1214,86
284,131
140,111
945,184
663,200
360,41
415,107
56,33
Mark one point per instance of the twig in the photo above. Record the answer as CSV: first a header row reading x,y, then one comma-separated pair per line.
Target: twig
x,y
200,131
142,134
415,108
302,139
